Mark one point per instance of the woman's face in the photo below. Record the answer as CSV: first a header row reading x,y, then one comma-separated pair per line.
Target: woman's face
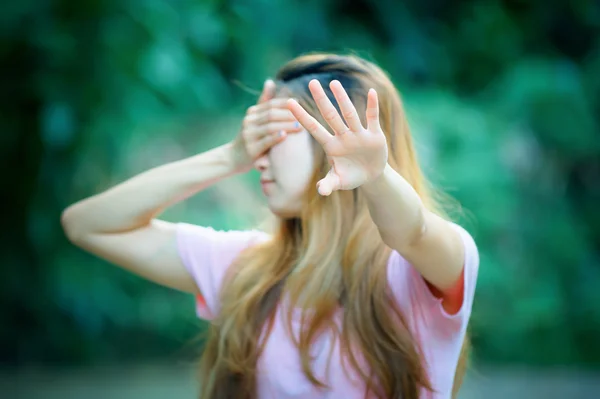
x,y
286,171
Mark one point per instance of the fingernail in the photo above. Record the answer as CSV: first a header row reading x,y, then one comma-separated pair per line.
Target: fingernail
x,y
281,133
296,124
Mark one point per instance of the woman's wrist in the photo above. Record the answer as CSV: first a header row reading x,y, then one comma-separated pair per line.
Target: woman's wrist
x,y
237,156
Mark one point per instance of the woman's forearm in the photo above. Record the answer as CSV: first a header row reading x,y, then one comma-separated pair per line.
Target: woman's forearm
x,y
395,208
135,202
426,240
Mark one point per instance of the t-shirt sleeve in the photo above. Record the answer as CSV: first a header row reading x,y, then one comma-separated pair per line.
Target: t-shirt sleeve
x,y
417,301
207,254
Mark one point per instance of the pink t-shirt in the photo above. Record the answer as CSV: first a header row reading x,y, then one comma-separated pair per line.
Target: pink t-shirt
x,y
208,253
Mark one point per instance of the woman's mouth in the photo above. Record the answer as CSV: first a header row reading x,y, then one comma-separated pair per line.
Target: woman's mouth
x,y
266,184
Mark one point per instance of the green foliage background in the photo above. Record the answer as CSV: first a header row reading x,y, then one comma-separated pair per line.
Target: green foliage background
x,y
503,97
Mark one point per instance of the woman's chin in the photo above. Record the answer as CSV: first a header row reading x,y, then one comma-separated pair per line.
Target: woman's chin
x,y
283,211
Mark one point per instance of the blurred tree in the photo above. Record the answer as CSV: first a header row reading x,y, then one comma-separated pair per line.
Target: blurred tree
x,y
503,97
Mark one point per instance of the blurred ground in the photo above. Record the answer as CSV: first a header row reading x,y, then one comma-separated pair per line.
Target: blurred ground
x,y
163,381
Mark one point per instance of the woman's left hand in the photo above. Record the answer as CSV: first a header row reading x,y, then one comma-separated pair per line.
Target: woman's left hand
x,y
357,155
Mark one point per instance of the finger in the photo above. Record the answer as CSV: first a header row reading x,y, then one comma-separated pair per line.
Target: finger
x,y
271,115
346,107
327,109
272,103
270,140
310,124
259,131
328,184
372,110
268,91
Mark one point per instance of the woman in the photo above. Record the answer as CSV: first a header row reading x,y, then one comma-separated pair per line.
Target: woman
x,y
364,289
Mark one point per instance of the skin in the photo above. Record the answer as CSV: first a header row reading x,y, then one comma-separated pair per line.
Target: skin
x,y
121,225
358,156
286,170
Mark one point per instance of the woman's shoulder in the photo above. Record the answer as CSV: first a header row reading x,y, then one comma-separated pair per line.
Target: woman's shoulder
x,y
401,265
207,254
196,235
414,295
201,246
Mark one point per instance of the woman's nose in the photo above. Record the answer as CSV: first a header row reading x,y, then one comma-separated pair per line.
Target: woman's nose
x,y
262,162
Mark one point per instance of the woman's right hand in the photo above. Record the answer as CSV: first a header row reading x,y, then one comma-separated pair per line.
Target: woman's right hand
x,y
265,124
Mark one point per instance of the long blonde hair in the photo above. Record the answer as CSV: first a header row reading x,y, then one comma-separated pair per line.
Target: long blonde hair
x,y
330,257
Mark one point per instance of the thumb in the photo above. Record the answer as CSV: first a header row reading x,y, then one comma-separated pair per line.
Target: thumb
x,y
329,183
268,91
